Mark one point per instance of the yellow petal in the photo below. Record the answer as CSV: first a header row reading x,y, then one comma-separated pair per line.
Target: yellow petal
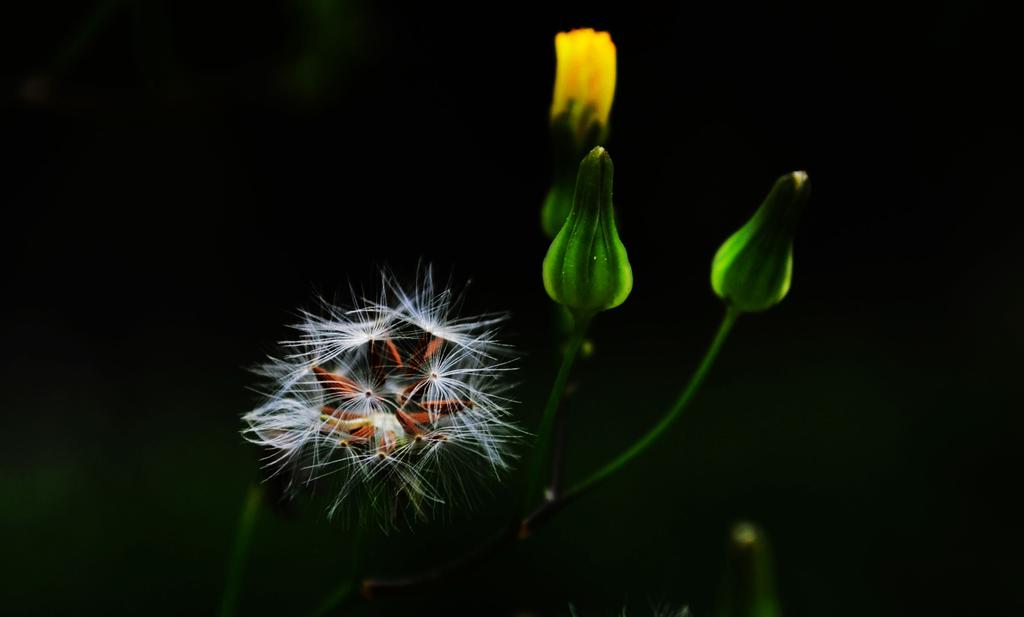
x,y
584,77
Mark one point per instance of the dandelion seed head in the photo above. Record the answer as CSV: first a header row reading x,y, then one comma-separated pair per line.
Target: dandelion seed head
x,y
395,399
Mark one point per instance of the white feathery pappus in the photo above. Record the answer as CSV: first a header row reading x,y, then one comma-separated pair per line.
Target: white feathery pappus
x,y
396,399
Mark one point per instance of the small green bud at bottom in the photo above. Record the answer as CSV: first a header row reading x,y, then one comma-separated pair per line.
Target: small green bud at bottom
x,y
748,587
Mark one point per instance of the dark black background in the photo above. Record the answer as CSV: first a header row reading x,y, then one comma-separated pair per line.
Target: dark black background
x,y
180,177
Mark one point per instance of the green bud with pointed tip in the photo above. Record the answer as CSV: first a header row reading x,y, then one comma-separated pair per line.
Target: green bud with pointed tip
x,y
752,269
586,268
748,587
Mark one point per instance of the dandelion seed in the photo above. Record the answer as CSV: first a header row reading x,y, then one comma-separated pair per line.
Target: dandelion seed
x,y
396,398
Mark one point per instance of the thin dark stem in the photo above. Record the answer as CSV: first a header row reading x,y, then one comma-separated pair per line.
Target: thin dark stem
x,y
376,588
340,596
554,486
83,37
520,530
537,518
541,454
541,514
561,437
240,551
344,593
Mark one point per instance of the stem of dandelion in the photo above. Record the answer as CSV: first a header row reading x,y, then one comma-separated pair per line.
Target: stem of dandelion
x,y
670,416
375,588
240,551
344,592
93,25
541,453
336,599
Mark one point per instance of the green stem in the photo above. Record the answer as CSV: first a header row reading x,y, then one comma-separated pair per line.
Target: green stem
x,y
670,416
343,593
236,565
340,595
547,423
92,26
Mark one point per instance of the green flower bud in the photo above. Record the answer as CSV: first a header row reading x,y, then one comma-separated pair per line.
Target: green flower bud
x,y
752,269
748,587
556,206
586,268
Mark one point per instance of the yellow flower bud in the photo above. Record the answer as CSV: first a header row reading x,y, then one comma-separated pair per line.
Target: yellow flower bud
x,y
584,81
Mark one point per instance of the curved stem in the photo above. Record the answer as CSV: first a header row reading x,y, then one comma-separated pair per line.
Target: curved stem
x,y
240,551
677,408
536,518
547,423
374,588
